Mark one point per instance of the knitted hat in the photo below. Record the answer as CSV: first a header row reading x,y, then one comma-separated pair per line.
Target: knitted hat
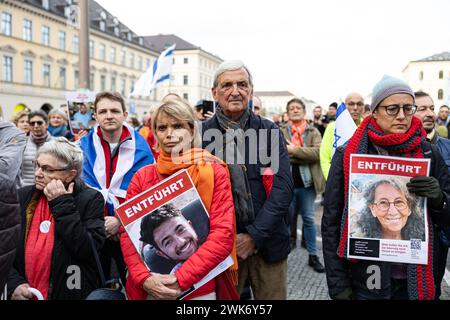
x,y
387,87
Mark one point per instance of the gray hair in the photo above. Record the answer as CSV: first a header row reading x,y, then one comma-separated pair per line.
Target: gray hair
x,y
231,65
69,154
58,111
372,227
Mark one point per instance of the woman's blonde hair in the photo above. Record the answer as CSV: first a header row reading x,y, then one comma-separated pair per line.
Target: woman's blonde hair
x,y
180,110
18,116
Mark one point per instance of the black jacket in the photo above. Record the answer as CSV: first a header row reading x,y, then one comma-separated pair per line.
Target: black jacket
x,y
74,216
269,230
9,226
342,274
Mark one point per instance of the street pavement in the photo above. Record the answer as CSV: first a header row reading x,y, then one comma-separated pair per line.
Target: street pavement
x,y
306,284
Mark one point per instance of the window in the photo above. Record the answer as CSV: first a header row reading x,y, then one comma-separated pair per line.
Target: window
x,y
186,96
27,30
28,71
76,77
440,94
46,4
76,44
62,77
123,56
140,64
112,55
186,60
116,31
441,74
6,25
123,84
132,86
113,84
62,40
148,63
46,36
91,49
132,60
103,83
92,81
185,80
102,25
46,75
102,52
7,69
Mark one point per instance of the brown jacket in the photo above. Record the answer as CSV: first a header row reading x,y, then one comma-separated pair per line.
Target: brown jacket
x,y
309,154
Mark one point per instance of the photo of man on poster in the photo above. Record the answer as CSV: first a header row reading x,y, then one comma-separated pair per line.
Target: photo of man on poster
x,y
168,234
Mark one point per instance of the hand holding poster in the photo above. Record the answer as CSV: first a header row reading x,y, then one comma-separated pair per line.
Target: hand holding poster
x,y
386,222
167,224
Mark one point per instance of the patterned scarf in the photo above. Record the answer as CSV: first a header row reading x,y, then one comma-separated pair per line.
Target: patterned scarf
x,y
39,247
420,277
39,141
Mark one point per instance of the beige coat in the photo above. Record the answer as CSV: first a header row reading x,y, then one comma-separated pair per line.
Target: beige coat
x,y
309,154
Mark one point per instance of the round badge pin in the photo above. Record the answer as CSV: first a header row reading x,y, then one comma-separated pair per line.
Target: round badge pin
x,y
45,226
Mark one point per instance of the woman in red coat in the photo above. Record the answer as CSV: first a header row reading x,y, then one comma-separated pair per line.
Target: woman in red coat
x,y
177,135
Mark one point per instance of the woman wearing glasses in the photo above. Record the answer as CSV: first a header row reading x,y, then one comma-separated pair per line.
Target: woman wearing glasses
x,y
60,215
390,130
391,212
39,134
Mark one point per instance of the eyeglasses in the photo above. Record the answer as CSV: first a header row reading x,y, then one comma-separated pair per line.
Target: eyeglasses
x,y
38,123
243,86
46,170
384,205
394,109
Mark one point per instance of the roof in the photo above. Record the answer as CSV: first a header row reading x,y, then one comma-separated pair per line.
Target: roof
x,y
161,41
274,94
443,56
96,14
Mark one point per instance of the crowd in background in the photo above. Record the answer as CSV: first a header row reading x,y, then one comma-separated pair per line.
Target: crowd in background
x,y
69,168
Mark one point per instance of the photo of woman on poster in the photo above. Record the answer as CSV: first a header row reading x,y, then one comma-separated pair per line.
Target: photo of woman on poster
x,y
391,212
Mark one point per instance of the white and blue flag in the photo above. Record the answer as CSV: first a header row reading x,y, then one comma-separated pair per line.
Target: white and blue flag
x,y
345,127
159,73
134,153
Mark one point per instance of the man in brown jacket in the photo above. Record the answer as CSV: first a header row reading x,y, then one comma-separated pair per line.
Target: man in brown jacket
x,y
303,144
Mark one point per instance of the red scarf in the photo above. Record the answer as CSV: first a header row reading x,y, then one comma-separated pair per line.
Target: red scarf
x,y
39,248
407,145
297,132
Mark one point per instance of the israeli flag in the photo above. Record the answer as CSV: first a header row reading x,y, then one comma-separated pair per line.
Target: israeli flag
x,y
156,75
345,127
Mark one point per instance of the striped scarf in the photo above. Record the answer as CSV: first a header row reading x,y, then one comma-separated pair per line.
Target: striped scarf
x,y
420,277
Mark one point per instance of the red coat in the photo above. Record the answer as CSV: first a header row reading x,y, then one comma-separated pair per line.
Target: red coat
x,y
214,250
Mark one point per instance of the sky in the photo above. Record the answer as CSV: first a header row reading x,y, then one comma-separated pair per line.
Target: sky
x,y
321,50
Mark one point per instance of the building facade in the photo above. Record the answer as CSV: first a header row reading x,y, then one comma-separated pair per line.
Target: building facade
x,y
275,102
39,46
193,68
432,75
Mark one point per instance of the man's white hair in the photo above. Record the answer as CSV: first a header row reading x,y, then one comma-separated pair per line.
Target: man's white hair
x,y
231,65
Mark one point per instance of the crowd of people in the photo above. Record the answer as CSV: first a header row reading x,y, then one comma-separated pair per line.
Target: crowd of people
x,y
254,175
